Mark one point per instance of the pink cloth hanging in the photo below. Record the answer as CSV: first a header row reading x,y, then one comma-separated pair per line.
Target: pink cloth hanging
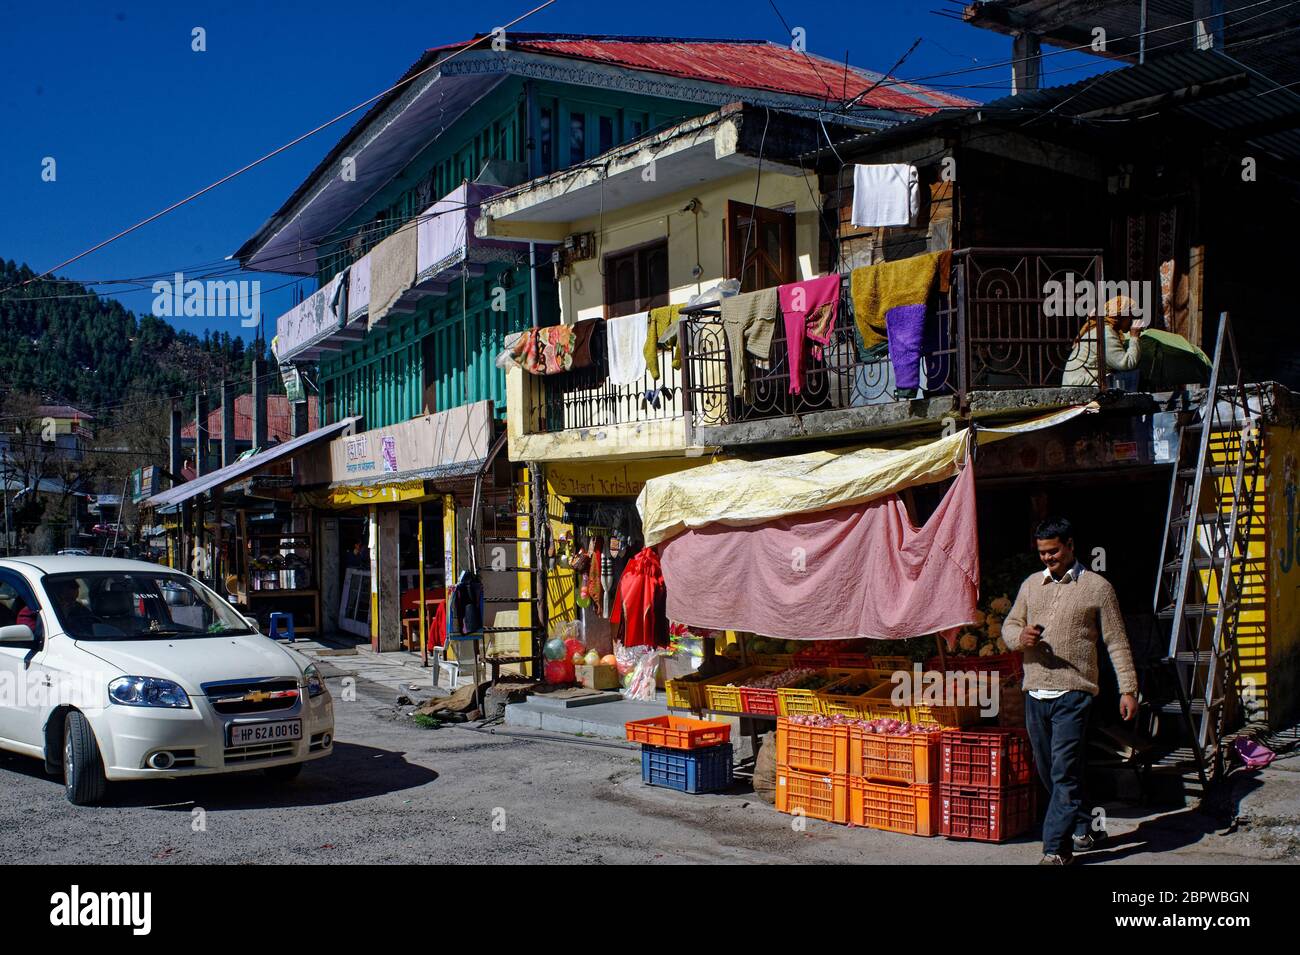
x,y
856,571
809,309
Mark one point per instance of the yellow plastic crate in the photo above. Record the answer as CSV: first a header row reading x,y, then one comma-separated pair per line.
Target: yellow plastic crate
x,y
726,698
832,702
688,692
800,702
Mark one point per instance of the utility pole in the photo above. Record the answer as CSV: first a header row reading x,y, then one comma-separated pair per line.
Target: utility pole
x,y
4,457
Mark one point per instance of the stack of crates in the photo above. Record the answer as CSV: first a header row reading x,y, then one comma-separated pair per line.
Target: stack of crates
x,y
894,782
811,770
690,756
987,784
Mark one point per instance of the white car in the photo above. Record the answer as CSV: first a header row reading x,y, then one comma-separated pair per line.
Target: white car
x,y
121,669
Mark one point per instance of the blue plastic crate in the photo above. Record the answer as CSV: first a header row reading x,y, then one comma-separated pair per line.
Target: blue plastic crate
x,y
703,770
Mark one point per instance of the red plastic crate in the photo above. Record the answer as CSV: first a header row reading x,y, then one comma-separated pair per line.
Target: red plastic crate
x,y
913,758
987,815
816,749
993,758
894,807
816,795
761,702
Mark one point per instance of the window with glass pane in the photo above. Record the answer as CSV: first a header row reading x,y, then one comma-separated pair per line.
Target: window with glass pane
x,y
637,280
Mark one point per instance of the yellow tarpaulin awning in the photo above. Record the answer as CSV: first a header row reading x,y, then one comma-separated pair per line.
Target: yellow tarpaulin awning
x,y
740,492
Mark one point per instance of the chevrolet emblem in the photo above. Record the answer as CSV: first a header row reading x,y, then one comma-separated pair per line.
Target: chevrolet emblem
x,y
256,696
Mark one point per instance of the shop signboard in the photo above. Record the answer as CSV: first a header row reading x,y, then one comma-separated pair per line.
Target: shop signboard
x,y
403,451
293,388
613,479
1077,446
144,483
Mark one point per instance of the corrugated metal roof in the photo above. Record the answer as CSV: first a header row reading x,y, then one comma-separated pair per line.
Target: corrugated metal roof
x,y
1254,112
279,419
1259,112
746,64
246,466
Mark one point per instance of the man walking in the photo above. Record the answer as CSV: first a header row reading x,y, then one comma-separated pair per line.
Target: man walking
x,y
1057,621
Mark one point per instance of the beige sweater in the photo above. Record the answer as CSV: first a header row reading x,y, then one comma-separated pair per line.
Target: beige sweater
x,y
1075,615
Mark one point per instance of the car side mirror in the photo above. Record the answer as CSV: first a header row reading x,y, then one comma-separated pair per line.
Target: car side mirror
x,y
252,622
18,633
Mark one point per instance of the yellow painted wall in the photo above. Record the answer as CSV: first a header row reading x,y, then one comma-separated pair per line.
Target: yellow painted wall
x,y
1283,574
593,479
582,292
1268,627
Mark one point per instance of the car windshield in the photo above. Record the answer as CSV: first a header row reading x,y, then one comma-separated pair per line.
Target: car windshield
x,y
116,605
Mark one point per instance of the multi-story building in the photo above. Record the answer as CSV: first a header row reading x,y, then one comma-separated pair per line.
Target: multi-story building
x,y
1160,181
414,303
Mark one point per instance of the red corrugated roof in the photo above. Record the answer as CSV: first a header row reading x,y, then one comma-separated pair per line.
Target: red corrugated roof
x,y
745,64
279,419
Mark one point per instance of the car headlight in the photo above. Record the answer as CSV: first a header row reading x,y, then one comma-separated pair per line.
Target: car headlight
x,y
313,681
147,691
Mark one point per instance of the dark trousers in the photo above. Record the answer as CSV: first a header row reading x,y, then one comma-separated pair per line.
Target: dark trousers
x,y
1058,732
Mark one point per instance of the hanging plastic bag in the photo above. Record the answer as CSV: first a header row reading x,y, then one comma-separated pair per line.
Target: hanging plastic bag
x,y
641,686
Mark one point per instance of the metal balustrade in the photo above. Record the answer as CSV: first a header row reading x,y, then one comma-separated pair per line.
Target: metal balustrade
x,y
993,330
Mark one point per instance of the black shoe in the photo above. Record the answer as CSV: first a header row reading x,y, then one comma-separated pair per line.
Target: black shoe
x,y
1088,841
1051,859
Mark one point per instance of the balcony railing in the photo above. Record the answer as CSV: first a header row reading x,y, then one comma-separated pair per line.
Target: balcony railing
x,y
584,398
991,331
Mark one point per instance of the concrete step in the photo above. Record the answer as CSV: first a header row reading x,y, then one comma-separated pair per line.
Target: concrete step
x,y
600,719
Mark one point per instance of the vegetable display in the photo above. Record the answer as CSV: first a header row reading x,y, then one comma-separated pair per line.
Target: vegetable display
x,y
782,678
881,725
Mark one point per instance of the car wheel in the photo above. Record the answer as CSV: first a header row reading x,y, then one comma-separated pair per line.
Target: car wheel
x,y
284,773
83,770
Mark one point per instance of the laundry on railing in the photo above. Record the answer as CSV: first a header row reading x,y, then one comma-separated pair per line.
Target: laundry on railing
x,y
550,350
810,310
749,322
661,329
626,340
889,305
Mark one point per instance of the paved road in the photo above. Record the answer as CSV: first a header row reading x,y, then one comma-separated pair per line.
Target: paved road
x,y
393,792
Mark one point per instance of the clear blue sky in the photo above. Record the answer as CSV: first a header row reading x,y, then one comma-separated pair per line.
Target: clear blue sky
x,y
136,120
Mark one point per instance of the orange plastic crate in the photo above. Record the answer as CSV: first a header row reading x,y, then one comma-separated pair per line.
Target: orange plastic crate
x,y
891,663
817,749
815,795
678,732
913,758
894,807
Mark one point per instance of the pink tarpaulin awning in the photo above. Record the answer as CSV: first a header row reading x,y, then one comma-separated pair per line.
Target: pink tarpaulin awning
x,y
861,570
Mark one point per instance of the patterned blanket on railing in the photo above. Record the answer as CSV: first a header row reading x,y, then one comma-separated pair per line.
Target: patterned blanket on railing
x,y
550,350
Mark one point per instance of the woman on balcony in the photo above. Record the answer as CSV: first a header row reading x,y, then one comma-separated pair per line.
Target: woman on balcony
x,y
1122,345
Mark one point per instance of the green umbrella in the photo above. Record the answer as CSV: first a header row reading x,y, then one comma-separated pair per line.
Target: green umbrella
x,y
1168,361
